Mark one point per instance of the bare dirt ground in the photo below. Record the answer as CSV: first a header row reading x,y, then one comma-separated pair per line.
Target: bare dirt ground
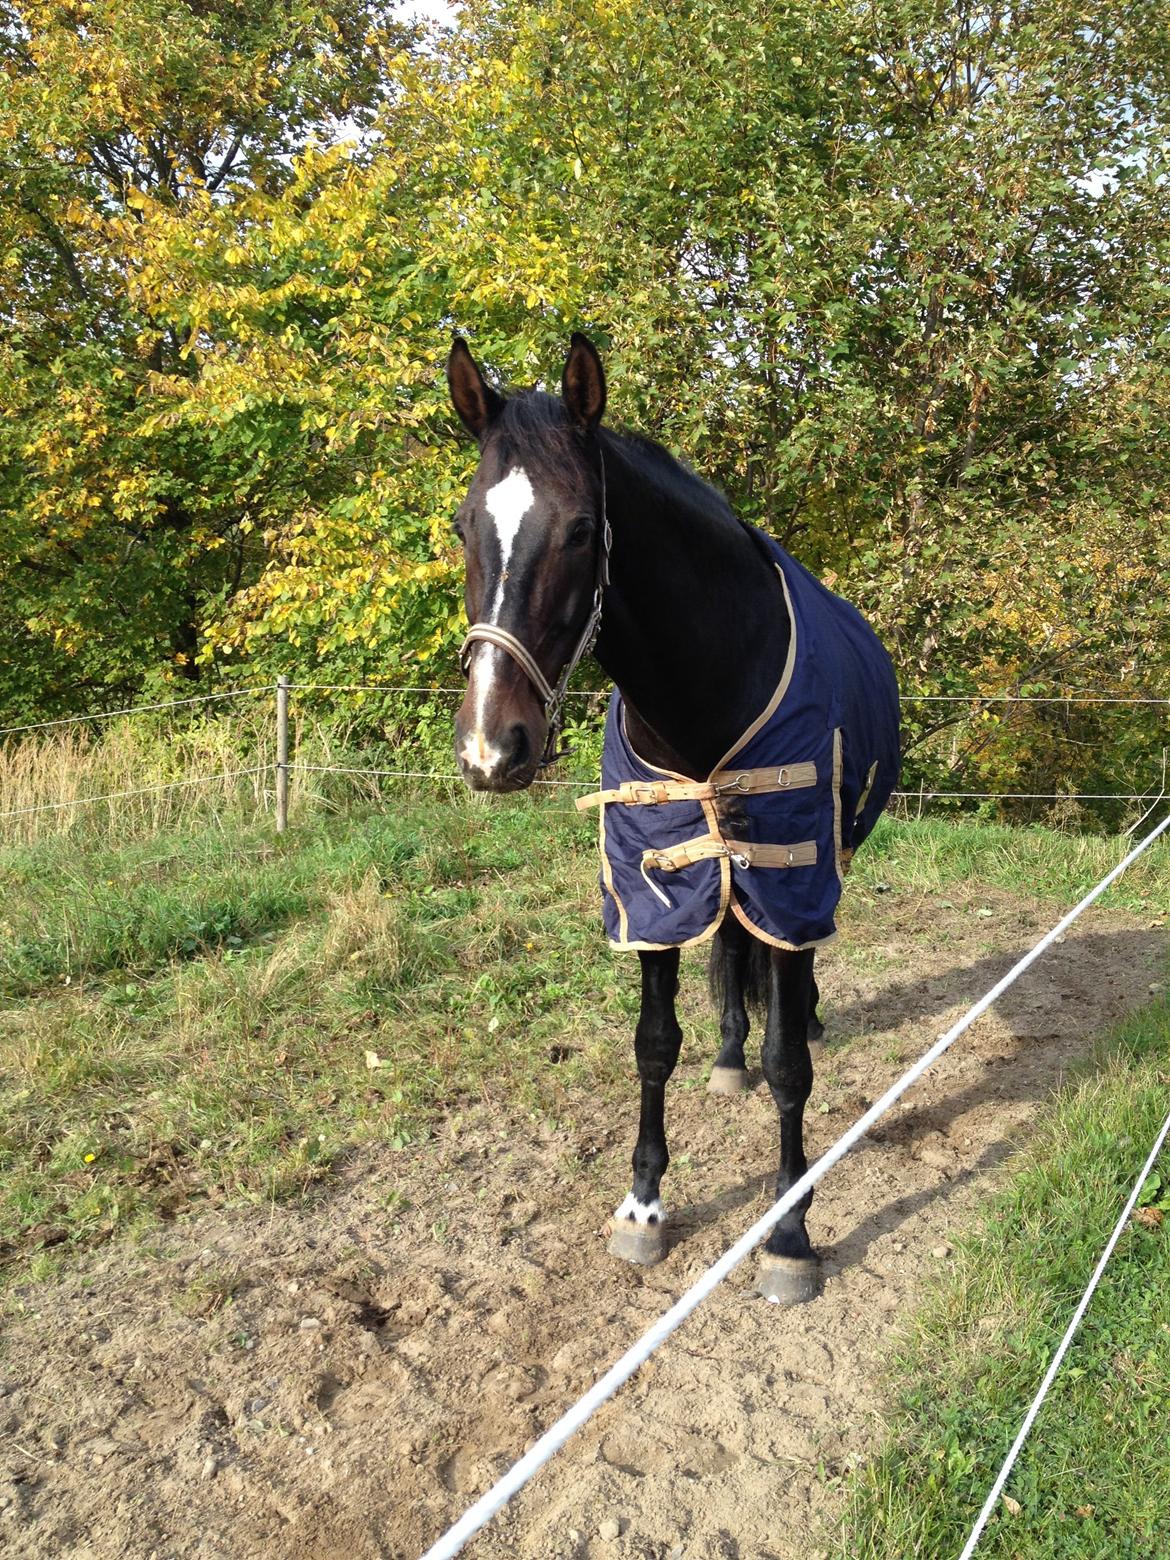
x,y
386,1351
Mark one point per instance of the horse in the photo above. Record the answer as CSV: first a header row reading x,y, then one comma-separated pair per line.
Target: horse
x,y
751,740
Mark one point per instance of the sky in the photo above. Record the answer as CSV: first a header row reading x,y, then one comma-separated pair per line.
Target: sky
x,y
428,10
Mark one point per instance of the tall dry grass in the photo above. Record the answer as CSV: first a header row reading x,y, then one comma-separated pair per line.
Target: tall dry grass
x,y
145,774
133,777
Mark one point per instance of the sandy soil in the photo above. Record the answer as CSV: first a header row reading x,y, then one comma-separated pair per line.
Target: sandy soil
x,y
387,1351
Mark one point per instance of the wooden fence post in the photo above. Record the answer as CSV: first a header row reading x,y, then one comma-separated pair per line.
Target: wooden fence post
x,y
281,754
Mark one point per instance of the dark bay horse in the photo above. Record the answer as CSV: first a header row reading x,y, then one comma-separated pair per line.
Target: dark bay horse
x,y
751,744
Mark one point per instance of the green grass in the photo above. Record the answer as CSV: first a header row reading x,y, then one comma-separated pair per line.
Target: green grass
x,y
73,910
1093,1476
205,1016
213,1013
933,854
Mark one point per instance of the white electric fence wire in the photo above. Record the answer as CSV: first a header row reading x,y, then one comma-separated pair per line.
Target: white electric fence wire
x,y
1031,796
142,790
906,698
553,1439
574,693
376,688
574,785
419,774
1050,1375
1029,698
924,796
136,709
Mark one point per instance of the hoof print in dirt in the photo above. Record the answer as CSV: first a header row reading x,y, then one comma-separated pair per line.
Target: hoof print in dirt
x,y
788,1280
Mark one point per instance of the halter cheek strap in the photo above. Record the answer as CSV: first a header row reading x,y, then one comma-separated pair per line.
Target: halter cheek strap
x,y
551,698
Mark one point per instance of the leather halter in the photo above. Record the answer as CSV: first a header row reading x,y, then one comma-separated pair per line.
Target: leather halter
x,y
551,698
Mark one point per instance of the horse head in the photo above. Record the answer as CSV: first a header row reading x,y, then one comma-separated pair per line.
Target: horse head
x,y
535,546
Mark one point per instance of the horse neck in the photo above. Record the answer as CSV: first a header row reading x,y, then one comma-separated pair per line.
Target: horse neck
x,y
694,626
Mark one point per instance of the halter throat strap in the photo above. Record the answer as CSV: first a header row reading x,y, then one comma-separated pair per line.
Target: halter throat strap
x,y
551,698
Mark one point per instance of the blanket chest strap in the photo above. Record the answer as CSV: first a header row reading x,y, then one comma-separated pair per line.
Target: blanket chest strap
x,y
725,782
744,853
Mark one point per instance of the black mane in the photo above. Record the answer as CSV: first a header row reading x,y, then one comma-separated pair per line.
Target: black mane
x,y
673,479
536,427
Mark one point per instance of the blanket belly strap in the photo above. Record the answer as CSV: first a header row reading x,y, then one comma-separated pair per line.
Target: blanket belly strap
x,y
725,782
744,853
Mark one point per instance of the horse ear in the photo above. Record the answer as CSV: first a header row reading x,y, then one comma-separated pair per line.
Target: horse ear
x,y
583,383
471,395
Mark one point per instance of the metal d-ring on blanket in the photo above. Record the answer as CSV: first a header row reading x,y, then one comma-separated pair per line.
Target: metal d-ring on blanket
x,y
552,699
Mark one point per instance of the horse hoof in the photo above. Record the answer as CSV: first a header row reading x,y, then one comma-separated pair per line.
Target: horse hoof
x,y
788,1280
644,1244
727,1080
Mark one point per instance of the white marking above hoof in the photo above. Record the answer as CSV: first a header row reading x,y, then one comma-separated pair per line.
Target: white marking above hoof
x,y
639,1212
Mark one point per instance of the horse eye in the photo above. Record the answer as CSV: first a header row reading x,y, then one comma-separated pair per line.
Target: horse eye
x,y
458,529
581,533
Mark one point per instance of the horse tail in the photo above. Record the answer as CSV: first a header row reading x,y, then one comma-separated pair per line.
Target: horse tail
x,y
740,962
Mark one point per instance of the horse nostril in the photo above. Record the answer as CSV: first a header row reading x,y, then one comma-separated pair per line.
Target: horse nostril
x,y
521,749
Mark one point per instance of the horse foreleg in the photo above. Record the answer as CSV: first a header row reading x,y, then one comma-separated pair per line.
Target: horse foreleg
x,y
789,1271
638,1224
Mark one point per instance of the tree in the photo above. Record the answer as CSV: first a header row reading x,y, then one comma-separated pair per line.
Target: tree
x,y
895,276
115,536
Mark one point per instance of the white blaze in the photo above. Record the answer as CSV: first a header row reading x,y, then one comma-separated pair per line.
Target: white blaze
x,y
507,502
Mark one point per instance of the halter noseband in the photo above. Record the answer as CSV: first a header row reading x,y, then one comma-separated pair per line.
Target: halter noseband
x,y
551,698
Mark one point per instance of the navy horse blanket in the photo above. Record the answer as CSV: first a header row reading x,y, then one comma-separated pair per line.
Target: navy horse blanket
x,y
771,832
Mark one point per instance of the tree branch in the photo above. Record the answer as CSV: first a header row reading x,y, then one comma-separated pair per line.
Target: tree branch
x,y
226,165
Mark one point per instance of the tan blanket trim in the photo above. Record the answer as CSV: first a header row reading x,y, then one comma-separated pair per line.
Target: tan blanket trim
x,y
607,878
770,708
766,937
744,853
727,782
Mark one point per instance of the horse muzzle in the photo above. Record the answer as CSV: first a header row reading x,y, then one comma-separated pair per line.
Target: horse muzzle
x,y
506,759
